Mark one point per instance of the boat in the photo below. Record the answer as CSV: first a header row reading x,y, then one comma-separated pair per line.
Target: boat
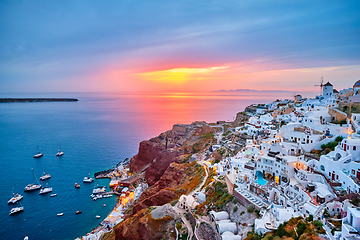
x,y
78,212
97,216
77,185
53,195
60,214
60,153
33,186
104,205
16,210
38,154
17,197
45,176
99,190
45,190
26,238
88,180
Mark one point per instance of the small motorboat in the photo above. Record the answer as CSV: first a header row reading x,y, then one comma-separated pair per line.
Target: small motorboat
x,y
88,180
78,212
26,238
17,197
16,210
60,214
53,195
97,216
77,185
60,153
104,205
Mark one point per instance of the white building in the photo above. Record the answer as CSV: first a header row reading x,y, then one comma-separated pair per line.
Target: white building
x,y
342,165
351,225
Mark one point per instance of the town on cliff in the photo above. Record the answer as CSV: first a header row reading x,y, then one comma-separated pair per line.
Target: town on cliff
x,y
285,169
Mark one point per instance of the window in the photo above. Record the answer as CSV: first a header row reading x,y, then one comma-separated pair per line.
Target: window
x,y
354,148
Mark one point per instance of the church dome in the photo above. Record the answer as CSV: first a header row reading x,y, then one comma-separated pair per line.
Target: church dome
x,y
357,84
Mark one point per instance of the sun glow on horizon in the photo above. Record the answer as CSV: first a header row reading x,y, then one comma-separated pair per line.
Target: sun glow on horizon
x,y
180,75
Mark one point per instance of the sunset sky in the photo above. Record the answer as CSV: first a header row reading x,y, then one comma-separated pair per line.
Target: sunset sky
x,y
177,46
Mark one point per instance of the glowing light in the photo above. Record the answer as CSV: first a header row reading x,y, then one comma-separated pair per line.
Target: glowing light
x,y
215,168
131,195
180,75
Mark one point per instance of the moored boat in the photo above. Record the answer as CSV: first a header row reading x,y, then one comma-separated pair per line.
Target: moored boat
x,y
45,176
53,195
60,214
32,187
97,216
16,210
77,185
45,190
39,154
17,197
60,153
99,190
88,180
78,212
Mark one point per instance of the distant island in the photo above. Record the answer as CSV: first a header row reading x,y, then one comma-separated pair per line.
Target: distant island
x,y
8,100
249,90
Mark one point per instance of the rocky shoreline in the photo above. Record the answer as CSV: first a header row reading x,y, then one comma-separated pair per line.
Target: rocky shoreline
x,y
14,100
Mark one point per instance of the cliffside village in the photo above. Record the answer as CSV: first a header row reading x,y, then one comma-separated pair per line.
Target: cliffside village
x,y
301,158
279,172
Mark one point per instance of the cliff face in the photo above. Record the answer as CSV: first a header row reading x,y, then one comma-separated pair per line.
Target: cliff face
x,y
158,194
157,153
153,153
240,119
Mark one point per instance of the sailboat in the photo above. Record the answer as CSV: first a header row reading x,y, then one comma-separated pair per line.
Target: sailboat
x,y
60,153
16,210
33,186
45,176
45,190
15,198
38,154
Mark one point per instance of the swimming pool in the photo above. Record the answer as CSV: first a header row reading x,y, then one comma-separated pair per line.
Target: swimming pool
x,y
260,180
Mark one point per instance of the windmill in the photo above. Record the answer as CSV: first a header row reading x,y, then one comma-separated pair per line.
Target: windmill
x,y
321,85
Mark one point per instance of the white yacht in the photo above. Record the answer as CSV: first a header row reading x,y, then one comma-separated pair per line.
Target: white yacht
x,y
99,190
39,154
17,197
32,187
45,176
16,210
53,195
60,214
88,180
45,190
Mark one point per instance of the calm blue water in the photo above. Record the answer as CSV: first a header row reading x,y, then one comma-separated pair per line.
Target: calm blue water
x,y
95,133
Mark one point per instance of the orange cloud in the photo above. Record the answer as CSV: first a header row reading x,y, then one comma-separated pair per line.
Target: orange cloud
x,y
180,75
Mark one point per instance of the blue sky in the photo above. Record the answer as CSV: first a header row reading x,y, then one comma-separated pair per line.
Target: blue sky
x,y
107,45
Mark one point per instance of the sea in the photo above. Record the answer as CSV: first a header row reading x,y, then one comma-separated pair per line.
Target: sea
x,y
95,134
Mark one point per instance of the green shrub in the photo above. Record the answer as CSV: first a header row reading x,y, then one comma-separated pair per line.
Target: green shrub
x,y
235,208
250,209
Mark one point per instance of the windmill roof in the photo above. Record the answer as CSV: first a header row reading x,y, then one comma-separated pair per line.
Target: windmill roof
x,y
328,84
